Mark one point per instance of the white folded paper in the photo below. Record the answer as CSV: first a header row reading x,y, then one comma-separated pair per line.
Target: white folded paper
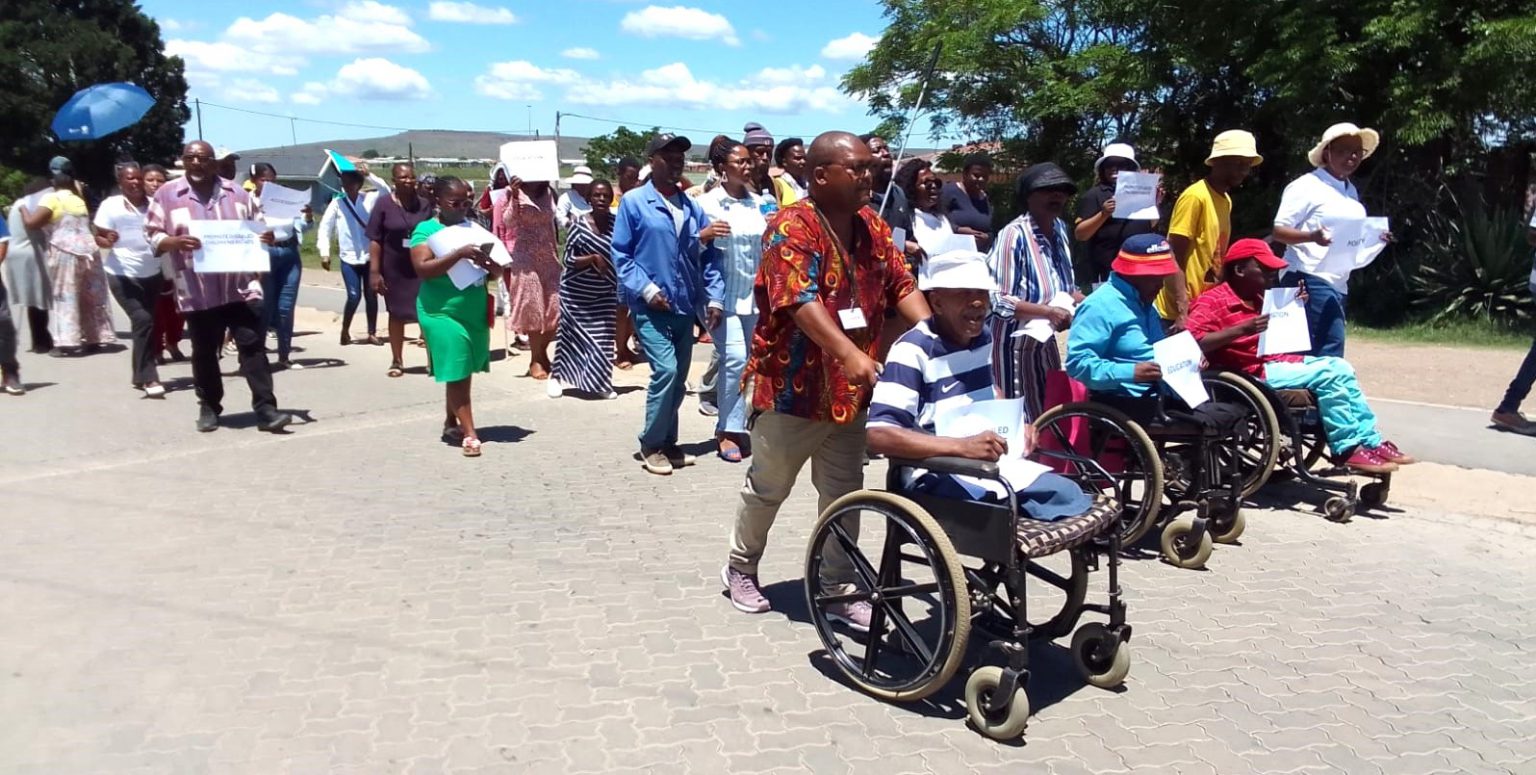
x,y
465,273
1354,243
1136,196
279,203
1179,357
1287,332
1040,329
228,247
451,238
1005,417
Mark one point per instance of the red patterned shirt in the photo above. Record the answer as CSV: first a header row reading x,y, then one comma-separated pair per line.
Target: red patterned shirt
x,y
803,262
1221,308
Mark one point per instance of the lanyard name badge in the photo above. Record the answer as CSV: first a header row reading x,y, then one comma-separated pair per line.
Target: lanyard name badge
x,y
851,317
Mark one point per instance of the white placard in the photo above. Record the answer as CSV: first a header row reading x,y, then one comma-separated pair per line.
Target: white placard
x,y
228,247
899,239
279,203
1287,332
953,243
451,238
1005,417
1345,235
1371,242
1040,329
1136,196
130,231
1179,357
465,273
531,160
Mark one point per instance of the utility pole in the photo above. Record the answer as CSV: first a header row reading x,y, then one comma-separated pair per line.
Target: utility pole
x,y
557,137
198,105
292,131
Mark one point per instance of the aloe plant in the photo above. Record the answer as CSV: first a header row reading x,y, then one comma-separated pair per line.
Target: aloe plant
x,y
1476,265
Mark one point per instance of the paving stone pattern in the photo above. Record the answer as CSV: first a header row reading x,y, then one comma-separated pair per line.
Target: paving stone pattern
x,y
356,598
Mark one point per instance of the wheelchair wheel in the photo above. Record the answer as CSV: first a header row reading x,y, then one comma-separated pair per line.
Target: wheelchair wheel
x,y
1260,450
1006,724
1057,587
1118,444
1180,550
1102,661
915,584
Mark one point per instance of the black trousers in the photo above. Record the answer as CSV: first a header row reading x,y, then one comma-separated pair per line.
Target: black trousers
x,y
137,296
37,324
244,323
8,365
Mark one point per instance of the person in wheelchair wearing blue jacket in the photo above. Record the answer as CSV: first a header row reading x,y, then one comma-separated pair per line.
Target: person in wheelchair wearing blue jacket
x,y
1227,322
944,363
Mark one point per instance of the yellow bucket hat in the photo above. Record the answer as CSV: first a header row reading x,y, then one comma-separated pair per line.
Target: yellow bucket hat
x,y
1235,142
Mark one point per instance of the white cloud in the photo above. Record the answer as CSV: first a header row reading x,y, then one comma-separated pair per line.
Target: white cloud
x,y
853,47
252,90
218,57
520,80
581,52
679,21
773,90
313,93
169,25
375,78
469,13
357,28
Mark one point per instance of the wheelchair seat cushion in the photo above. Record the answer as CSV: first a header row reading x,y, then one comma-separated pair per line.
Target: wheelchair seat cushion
x,y
1038,539
1297,399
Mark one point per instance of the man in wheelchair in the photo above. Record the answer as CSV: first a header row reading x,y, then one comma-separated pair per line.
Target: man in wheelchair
x,y
944,363
1227,322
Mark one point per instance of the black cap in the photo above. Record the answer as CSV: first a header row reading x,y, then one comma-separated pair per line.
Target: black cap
x,y
666,140
1041,176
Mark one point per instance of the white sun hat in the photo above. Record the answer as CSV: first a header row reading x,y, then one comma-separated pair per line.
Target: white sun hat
x,y
1369,139
582,174
956,269
1116,151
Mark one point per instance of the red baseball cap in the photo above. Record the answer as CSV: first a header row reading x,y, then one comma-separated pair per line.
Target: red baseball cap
x,y
1257,250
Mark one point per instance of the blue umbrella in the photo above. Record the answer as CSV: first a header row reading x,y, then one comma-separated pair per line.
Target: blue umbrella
x,y
100,110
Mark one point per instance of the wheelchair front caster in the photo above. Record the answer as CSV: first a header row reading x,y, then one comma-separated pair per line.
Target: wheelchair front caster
x,y
1102,659
1005,724
1181,548
1374,494
1338,509
1227,531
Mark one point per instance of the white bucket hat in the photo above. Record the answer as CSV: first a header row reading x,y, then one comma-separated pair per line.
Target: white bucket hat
x,y
582,174
956,269
1369,139
1116,151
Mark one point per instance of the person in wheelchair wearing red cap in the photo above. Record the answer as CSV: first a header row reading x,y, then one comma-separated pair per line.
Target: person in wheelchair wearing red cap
x,y
1227,321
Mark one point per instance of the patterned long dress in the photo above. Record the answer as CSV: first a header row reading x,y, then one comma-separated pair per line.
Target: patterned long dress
x,y
533,279
1029,267
82,314
584,340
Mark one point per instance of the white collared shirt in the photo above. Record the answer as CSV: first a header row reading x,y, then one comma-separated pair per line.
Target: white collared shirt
x,y
349,225
1307,203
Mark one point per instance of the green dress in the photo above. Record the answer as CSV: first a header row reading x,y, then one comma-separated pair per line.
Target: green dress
x,y
452,321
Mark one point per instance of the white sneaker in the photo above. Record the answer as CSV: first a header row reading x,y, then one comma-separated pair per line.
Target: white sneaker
x,y
610,395
552,388
155,391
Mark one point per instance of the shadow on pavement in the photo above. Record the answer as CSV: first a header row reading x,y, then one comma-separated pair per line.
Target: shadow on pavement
x,y
502,434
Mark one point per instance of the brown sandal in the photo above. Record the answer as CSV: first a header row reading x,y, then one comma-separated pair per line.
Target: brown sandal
x,y
396,370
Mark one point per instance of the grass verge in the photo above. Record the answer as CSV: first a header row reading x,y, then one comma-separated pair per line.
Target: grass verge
x,y
1460,333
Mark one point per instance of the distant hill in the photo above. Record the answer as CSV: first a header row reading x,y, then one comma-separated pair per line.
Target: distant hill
x,y
423,143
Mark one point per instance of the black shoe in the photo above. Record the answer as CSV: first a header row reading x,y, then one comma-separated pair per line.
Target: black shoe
x,y
274,422
207,420
11,386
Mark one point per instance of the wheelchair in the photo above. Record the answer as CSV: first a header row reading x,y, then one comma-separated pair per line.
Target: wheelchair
x,y
1163,466
1287,437
926,601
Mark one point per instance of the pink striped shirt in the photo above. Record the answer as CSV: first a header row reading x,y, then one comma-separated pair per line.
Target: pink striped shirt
x,y
176,204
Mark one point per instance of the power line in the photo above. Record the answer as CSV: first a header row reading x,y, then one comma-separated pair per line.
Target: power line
x,y
643,124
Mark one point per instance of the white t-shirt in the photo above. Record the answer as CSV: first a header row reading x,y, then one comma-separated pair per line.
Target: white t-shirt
x,y
571,206
131,256
1307,203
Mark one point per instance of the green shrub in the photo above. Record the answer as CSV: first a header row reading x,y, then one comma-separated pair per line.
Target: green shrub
x,y
1475,265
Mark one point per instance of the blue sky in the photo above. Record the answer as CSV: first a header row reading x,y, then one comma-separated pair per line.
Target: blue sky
x,y
456,65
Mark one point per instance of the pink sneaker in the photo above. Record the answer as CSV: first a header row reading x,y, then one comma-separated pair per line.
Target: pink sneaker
x,y
1369,461
855,614
1390,453
746,595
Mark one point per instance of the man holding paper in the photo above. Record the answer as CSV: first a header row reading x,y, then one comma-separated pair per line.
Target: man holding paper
x,y
937,385
1227,321
214,302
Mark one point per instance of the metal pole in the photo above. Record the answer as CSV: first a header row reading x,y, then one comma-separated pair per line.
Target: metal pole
x,y
198,105
922,92
292,131
557,137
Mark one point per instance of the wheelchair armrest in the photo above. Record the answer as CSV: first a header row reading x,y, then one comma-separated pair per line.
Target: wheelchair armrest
x,y
951,465
1087,465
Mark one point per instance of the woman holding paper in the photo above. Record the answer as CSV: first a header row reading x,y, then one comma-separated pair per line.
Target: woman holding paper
x,y
1102,225
1032,265
280,291
453,319
533,279
1310,208
931,228
133,271
81,317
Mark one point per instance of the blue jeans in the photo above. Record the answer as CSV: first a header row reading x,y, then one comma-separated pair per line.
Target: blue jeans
x,y
280,293
358,289
667,338
1325,314
1520,386
1347,420
733,338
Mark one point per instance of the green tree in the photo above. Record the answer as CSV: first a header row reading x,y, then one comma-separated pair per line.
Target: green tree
x,y
604,151
370,154
49,49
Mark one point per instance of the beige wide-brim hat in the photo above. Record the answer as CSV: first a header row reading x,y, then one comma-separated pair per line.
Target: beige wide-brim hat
x,y
1235,142
1369,139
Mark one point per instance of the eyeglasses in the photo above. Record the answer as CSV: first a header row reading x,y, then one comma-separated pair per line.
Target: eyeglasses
x,y
196,157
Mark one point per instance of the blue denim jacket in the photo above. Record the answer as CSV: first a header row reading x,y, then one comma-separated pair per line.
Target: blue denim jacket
x,y
1112,331
647,249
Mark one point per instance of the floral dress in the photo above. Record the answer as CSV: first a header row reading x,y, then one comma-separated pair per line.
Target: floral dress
x,y
533,279
81,311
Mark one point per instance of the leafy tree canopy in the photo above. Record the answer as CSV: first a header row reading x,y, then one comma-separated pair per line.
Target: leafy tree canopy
x,y
49,49
604,151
